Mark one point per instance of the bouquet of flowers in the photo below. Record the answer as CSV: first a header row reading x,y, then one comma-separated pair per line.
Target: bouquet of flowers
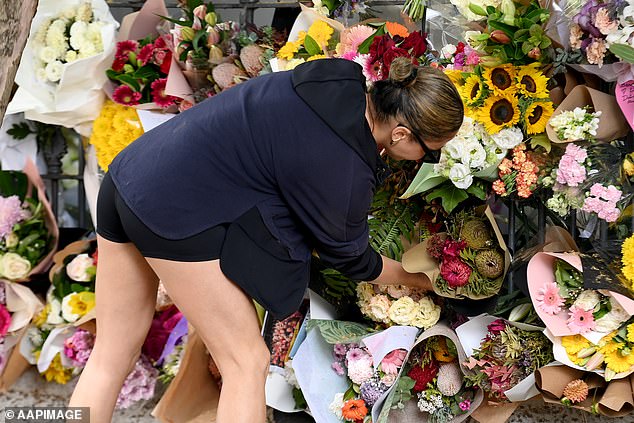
x,y
397,305
513,32
458,58
468,162
470,260
611,355
316,43
164,343
519,174
556,284
140,68
28,233
503,356
432,386
577,124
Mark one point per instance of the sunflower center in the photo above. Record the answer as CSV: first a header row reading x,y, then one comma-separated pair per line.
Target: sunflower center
x,y
536,115
501,78
529,84
474,91
501,112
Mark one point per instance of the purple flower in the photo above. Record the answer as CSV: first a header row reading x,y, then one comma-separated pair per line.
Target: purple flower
x,y
371,391
340,351
139,385
79,346
355,354
465,405
338,368
586,16
11,213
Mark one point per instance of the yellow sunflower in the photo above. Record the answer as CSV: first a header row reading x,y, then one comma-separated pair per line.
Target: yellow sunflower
x,y
472,91
499,112
531,82
500,80
455,76
617,362
537,116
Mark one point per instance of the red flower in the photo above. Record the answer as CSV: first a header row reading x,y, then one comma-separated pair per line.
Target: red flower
x,y
163,58
126,95
95,257
497,326
392,54
455,272
380,45
160,330
158,93
118,63
460,47
435,246
160,43
145,54
124,48
416,43
423,375
453,248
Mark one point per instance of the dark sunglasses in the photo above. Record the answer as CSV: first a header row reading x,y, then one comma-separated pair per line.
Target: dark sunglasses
x,y
431,156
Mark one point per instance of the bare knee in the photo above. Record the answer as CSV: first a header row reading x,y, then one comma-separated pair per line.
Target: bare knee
x,y
114,357
252,362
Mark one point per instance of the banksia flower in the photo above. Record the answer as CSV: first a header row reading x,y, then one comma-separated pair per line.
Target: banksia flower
x,y
449,379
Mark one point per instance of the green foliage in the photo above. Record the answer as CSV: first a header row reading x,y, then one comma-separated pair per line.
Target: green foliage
x,y
338,286
300,401
337,331
19,131
311,46
623,52
449,194
364,47
389,225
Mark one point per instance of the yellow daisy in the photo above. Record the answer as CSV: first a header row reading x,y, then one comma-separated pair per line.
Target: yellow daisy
x,y
321,32
500,80
532,82
627,249
617,362
300,37
537,116
574,343
499,112
472,91
288,50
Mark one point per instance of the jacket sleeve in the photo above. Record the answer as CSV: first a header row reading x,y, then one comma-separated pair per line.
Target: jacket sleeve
x,y
330,194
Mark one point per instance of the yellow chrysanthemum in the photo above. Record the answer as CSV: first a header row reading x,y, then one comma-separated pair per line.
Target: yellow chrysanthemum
x,y
455,76
316,57
500,80
113,130
630,332
537,116
300,37
627,250
321,32
288,50
610,346
617,362
40,318
574,343
532,82
473,91
82,302
499,112
57,372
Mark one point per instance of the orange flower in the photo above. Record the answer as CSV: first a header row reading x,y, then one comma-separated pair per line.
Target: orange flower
x,y
396,29
442,353
354,410
505,167
499,188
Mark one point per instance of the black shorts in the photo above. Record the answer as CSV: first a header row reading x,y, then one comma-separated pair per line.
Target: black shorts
x,y
117,223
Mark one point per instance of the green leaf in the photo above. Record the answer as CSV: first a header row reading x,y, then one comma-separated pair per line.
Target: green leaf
x,y
311,46
19,131
129,81
450,196
146,72
331,4
336,331
535,30
478,10
176,21
300,401
349,394
546,42
13,183
477,191
541,140
623,52
425,179
199,35
490,10
364,47
508,29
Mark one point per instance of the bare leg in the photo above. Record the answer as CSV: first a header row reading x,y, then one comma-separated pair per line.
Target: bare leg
x,y
227,322
126,296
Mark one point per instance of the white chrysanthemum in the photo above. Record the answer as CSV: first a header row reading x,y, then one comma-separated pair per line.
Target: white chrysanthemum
x,y
71,56
84,12
93,34
78,29
336,406
70,13
40,74
40,35
54,71
48,54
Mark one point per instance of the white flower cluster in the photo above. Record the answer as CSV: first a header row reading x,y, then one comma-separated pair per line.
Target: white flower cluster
x,y
472,150
429,403
71,36
577,124
398,305
624,32
463,7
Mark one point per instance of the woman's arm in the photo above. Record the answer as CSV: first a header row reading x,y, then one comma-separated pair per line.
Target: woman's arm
x,y
394,274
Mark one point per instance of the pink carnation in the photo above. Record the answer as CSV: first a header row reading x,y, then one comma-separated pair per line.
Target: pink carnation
x,y
609,214
5,320
577,153
11,213
570,172
79,346
392,361
472,59
612,194
139,385
603,22
580,321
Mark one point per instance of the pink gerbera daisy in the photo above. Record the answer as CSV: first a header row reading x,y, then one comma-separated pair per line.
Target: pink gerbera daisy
x,y
126,95
145,54
371,71
393,361
580,321
353,37
548,299
126,47
158,94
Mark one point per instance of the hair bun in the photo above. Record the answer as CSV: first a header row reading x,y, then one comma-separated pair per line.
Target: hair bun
x,y
402,72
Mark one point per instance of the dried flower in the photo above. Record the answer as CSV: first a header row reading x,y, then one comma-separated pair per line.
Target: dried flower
x,y
576,391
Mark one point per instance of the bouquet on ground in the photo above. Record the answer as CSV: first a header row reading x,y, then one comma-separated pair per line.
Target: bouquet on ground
x,y
139,71
28,233
317,42
432,386
556,284
470,260
397,305
502,355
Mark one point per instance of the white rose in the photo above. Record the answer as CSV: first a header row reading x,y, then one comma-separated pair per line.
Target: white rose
x,y
54,315
77,268
508,138
455,148
54,71
14,266
587,300
403,311
67,310
460,176
378,308
448,51
48,54
336,406
428,315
